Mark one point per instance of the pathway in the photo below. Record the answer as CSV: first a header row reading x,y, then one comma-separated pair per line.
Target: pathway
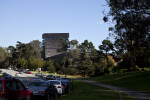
x,y
137,94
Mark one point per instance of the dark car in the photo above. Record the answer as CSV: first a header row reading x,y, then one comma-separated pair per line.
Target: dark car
x,y
38,74
43,89
69,82
6,75
13,89
1,71
67,85
49,77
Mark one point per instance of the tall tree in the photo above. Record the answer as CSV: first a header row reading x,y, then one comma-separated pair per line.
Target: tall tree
x,y
132,24
106,47
36,48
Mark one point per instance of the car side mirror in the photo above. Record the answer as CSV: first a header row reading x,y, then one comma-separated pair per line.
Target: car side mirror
x,y
27,87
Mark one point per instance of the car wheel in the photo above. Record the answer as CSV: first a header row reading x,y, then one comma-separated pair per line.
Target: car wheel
x,y
48,97
56,95
28,98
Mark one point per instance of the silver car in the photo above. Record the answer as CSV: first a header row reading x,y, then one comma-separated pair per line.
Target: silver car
x,y
43,89
57,83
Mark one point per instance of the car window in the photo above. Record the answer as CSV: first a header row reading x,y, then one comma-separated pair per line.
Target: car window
x,y
51,85
55,82
38,84
8,85
14,85
20,86
1,85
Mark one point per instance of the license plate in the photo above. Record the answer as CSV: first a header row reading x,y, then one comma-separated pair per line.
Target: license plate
x,y
35,92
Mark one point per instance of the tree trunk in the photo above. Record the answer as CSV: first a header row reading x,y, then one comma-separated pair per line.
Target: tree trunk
x,y
133,58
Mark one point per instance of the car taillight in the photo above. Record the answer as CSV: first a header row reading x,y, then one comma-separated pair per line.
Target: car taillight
x,y
42,92
2,93
59,87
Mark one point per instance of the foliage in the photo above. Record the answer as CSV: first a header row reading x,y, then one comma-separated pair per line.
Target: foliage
x,y
132,25
50,66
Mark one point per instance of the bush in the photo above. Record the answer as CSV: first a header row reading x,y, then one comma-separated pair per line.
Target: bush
x,y
138,68
146,69
123,70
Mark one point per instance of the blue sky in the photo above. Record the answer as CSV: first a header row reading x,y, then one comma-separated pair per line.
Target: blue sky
x,y
27,20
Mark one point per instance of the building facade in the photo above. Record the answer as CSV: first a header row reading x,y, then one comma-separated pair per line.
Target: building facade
x,y
52,43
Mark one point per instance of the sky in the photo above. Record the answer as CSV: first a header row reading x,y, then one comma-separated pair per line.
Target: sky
x,y
27,20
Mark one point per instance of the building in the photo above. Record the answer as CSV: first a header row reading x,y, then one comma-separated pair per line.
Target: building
x,y
52,43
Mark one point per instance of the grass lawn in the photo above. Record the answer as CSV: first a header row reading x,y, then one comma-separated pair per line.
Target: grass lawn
x,y
132,80
86,91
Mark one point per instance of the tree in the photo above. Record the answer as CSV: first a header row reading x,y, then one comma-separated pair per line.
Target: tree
x,y
132,24
4,57
65,45
85,64
50,66
106,47
36,48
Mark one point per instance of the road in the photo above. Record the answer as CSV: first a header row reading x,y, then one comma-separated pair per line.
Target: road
x,y
25,78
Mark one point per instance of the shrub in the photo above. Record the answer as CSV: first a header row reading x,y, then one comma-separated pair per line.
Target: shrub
x,y
123,70
138,68
146,69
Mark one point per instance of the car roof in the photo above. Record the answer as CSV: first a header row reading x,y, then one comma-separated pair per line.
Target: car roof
x,y
13,79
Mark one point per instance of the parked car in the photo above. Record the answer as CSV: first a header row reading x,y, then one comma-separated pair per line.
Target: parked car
x,y
43,89
59,86
43,75
13,89
6,75
17,74
55,77
38,74
1,71
67,85
49,77
29,72
69,82
9,68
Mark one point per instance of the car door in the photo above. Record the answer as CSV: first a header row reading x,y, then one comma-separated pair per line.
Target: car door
x,y
9,89
20,90
52,89
15,90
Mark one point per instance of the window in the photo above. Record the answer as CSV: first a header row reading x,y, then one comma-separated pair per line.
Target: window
x,y
1,85
14,85
20,86
8,85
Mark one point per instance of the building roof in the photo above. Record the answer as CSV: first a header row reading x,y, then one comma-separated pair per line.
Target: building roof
x,y
55,35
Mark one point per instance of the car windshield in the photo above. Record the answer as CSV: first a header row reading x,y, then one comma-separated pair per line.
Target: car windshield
x,y
64,81
38,84
55,82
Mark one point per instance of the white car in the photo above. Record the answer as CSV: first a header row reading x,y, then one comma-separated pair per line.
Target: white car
x,y
57,83
17,74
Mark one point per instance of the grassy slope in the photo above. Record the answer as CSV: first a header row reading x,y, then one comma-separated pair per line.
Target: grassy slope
x,y
85,91
133,80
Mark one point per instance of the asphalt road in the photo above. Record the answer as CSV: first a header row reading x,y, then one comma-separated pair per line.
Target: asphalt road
x,y
25,78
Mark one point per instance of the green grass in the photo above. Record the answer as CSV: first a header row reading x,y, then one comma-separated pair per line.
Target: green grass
x,y
86,91
133,80
127,97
